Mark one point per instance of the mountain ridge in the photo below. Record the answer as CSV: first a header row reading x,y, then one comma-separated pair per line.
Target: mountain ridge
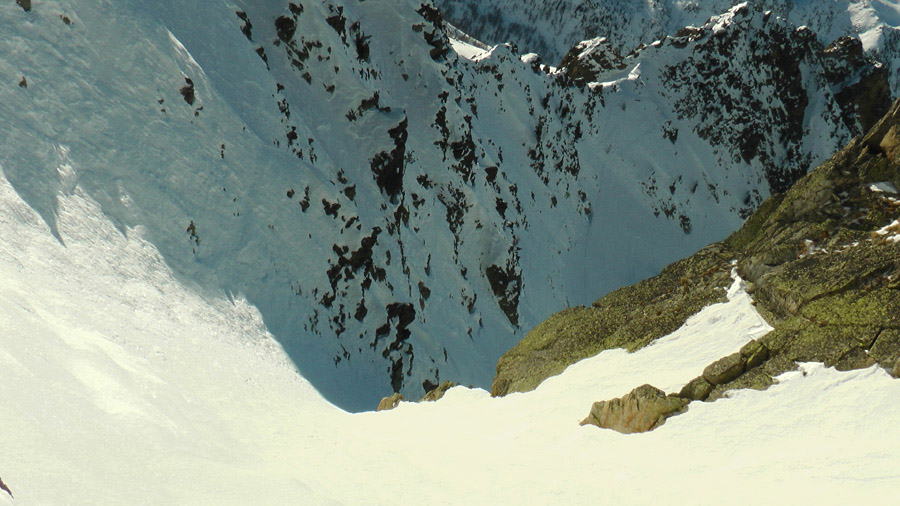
x,y
552,29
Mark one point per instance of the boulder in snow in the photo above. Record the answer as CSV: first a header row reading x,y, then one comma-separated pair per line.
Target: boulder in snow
x,y
438,391
643,409
697,389
390,402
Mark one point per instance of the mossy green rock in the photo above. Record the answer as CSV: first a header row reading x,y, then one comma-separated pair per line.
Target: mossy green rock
x,y
753,354
778,365
724,370
630,318
697,389
838,293
756,379
886,349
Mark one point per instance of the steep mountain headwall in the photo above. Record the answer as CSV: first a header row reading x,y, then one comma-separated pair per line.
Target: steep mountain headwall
x,y
400,214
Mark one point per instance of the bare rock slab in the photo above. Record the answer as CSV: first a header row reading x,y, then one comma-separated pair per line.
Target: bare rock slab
x,y
724,370
643,409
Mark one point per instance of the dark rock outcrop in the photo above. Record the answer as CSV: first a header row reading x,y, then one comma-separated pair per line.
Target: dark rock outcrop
x,y
589,59
187,91
643,409
4,488
862,85
756,379
738,370
753,354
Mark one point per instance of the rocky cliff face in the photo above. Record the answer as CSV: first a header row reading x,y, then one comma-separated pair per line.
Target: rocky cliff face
x,y
399,213
823,263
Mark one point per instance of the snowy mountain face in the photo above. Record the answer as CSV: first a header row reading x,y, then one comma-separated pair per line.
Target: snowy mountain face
x,y
552,28
712,65
398,213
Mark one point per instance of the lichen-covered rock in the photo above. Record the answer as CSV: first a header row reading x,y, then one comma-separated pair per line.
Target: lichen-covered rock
x,y
697,389
886,349
828,344
819,275
643,409
756,379
438,391
724,370
753,354
896,371
758,373
630,317
778,365
390,402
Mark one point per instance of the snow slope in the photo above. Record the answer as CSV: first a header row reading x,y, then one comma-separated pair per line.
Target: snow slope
x,y
399,215
121,385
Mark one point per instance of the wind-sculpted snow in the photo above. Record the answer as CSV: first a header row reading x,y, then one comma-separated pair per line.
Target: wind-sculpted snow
x,y
399,214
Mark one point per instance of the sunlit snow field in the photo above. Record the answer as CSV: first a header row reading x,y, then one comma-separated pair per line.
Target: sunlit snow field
x,y
119,385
